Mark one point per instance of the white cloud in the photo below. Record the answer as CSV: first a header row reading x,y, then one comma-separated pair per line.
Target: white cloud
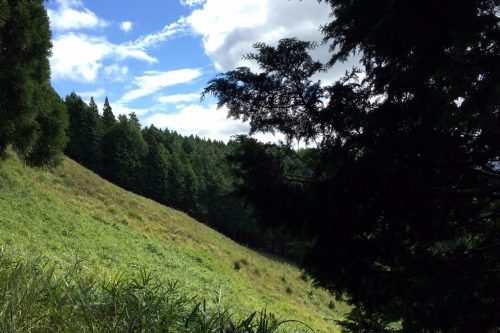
x,y
121,109
116,72
192,3
69,3
179,98
126,26
199,120
205,121
230,28
124,51
72,15
153,39
219,19
153,81
79,57
98,94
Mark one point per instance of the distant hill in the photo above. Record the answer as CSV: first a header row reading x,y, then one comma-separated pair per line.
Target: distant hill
x,y
69,213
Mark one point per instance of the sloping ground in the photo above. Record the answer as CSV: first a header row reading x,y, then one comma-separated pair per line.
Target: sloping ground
x,y
69,214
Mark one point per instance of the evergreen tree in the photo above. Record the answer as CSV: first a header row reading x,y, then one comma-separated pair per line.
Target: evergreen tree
x,y
124,150
76,108
189,192
93,106
134,121
176,182
52,120
403,205
108,118
85,132
24,73
153,135
155,174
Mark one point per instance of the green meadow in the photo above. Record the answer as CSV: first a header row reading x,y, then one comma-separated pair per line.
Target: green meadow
x,y
69,215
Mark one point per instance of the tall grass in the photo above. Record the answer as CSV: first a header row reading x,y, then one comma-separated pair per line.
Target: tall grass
x,y
68,212
37,296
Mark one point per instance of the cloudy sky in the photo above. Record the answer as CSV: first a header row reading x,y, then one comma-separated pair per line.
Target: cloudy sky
x,y
154,57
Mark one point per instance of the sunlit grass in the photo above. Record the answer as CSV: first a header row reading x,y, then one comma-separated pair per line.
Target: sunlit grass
x,y
69,214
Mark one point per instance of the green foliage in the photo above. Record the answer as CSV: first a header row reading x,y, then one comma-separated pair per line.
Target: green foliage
x,y
85,133
237,265
124,150
401,207
304,276
51,136
26,106
187,173
108,118
155,174
39,297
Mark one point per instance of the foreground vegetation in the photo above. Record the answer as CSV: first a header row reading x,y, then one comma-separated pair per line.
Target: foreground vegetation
x,y
70,215
36,297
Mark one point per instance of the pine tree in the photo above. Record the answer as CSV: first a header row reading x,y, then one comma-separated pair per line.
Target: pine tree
x,y
124,150
94,109
76,109
155,173
108,117
52,120
85,133
189,191
24,72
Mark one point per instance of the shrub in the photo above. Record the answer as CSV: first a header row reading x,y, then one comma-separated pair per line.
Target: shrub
x,y
304,276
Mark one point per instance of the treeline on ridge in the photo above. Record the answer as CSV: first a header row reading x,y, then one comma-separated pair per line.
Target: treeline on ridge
x,y
188,173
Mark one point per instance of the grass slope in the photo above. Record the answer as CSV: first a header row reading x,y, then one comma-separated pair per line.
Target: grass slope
x,y
69,214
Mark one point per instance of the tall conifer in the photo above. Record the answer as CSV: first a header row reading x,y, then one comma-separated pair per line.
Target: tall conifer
x,y
24,73
108,117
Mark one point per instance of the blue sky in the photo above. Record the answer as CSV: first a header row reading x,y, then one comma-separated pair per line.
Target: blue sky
x,y
154,57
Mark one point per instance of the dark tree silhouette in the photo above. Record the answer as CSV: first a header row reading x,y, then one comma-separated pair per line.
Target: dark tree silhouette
x,y
108,118
124,150
85,133
403,202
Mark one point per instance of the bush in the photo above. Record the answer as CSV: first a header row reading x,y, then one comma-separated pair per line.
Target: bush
x,y
304,276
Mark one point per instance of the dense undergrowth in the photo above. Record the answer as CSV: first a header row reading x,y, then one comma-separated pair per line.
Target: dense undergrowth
x,y
37,296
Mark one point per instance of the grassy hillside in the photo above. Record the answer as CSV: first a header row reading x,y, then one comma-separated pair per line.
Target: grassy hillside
x,y
70,214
